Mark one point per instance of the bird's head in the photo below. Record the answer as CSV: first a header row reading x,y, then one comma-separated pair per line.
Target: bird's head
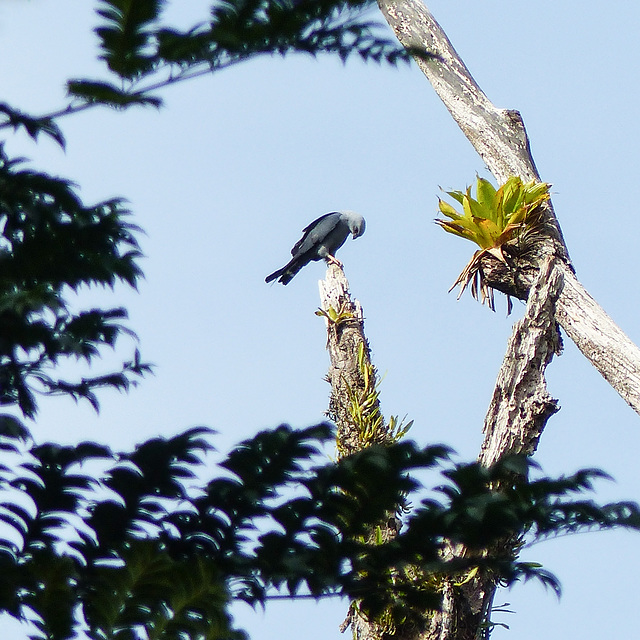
x,y
356,223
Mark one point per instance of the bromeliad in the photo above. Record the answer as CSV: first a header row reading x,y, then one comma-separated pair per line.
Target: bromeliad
x,y
495,220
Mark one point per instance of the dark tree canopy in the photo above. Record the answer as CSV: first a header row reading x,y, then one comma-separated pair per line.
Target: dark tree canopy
x,y
52,245
150,539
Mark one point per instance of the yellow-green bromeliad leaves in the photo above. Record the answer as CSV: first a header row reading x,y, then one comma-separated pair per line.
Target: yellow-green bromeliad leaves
x,y
494,217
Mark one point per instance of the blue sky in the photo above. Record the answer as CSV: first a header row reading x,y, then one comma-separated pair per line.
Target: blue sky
x,y
225,176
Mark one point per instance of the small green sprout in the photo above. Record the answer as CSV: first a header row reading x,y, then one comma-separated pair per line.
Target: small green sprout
x,y
364,407
334,316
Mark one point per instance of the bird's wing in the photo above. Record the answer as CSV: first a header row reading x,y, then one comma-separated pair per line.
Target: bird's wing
x,y
316,232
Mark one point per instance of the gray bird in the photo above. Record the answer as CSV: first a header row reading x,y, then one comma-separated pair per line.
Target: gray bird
x,y
320,240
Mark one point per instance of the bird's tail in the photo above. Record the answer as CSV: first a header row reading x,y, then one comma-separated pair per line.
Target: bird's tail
x,y
285,275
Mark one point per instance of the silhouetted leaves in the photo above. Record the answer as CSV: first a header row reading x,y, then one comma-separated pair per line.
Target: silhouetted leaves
x,y
146,54
109,95
126,34
32,125
247,27
155,542
50,245
154,539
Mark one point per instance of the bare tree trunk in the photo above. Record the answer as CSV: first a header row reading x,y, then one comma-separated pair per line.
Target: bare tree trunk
x,y
521,404
345,339
519,410
499,136
353,405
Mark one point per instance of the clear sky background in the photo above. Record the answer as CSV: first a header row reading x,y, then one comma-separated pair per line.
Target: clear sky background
x,y
225,176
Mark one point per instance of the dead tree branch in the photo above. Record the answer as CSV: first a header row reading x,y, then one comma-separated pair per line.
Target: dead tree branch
x,y
349,356
521,404
519,410
499,136
353,404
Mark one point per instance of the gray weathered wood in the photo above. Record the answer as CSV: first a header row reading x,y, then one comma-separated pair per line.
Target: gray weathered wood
x,y
349,357
343,340
519,410
600,339
521,404
499,136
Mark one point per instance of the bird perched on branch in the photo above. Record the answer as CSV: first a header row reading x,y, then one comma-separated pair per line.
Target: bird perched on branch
x,y
320,240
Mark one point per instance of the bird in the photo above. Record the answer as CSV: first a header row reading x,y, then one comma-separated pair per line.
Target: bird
x,y
320,240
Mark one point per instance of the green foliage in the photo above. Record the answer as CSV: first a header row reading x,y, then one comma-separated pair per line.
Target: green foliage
x,y
146,541
507,218
336,317
127,34
496,217
144,54
51,244
364,407
149,543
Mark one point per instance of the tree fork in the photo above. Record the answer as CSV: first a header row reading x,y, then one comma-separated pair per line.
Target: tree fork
x,y
499,136
544,277
518,413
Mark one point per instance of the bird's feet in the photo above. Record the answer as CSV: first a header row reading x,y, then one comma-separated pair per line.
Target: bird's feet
x,y
333,260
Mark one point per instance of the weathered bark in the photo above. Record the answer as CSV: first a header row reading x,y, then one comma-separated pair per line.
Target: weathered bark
x,y
499,136
353,404
521,405
345,334
518,412
598,337
545,277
